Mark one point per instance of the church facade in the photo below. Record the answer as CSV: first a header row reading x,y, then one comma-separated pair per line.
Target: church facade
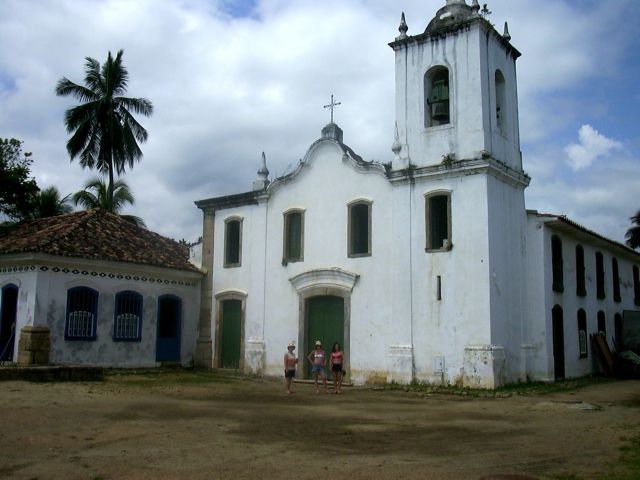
x,y
426,268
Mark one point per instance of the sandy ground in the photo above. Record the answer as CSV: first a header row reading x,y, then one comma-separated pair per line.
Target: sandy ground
x,y
147,428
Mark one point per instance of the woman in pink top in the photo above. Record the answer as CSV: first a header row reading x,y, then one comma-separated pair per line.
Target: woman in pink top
x,y
336,362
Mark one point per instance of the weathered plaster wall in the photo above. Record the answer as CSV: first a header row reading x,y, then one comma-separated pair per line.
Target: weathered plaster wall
x,y
543,298
471,55
43,297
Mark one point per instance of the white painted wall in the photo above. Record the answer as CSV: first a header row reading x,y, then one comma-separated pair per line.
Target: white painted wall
x,y
472,57
42,301
542,299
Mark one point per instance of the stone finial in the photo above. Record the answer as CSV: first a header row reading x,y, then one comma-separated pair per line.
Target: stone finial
x,y
332,131
506,34
396,147
475,6
263,175
402,28
264,171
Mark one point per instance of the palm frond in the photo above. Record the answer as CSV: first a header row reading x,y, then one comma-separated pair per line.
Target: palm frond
x,y
135,220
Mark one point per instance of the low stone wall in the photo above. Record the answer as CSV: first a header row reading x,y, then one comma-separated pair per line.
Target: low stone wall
x,y
34,346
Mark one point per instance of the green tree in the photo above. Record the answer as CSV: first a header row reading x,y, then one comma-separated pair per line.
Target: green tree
x,y
104,132
49,203
95,195
17,187
633,234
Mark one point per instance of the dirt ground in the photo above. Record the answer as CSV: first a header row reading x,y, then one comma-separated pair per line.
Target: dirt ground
x,y
192,427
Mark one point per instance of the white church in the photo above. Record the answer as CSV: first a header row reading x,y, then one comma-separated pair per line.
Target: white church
x,y
428,267
425,268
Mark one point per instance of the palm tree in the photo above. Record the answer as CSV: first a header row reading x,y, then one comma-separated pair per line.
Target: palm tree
x,y
49,203
95,195
633,234
105,134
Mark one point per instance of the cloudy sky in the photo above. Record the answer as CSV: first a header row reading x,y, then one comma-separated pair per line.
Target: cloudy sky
x,y
232,78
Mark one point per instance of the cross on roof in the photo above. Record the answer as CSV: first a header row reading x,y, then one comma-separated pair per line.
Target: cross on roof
x,y
332,105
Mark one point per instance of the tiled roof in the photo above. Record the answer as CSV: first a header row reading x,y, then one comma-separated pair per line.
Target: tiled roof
x,y
564,220
95,234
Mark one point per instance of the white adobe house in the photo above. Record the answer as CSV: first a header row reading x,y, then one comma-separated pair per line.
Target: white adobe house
x,y
91,288
426,268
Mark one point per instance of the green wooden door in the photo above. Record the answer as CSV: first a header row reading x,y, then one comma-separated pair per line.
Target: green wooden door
x,y
325,322
230,334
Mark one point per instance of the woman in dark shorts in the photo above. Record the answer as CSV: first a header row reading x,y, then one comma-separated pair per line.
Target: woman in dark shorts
x,y
336,362
290,362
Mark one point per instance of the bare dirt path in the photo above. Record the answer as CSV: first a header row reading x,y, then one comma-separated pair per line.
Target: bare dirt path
x,y
185,426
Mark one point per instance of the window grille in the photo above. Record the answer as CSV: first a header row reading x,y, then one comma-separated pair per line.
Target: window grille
x,y
582,333
128,317
82,304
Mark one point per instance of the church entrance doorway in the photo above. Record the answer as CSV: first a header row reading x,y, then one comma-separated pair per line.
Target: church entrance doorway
x,y
558,342
8,311
324,322
230,332
169,319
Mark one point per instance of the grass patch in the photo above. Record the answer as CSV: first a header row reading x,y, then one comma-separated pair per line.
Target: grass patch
x,y
530,388
538,388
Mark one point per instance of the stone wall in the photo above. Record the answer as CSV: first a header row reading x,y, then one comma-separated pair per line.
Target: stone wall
x,y
34,346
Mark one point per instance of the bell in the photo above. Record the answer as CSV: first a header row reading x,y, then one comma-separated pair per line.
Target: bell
x,y
440,111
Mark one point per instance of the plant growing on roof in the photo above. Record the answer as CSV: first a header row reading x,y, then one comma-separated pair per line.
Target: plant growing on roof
x,y
448,159
95,195
104,132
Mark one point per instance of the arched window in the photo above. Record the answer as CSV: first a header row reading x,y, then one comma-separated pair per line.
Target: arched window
x,y
602,324
501,108
233,242
82,313
438,221
581,290
636,285
616,280
127,322
600,293
556,264
582,333
436,94
617,326
359,234
293,248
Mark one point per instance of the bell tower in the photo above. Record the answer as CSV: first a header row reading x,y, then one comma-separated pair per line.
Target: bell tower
x,y
456,93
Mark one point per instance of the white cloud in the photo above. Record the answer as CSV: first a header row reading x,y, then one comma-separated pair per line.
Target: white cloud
x,y
592,145
225,89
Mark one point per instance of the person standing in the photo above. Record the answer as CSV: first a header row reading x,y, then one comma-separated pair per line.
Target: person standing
x,y
290,362
335,364
318,360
